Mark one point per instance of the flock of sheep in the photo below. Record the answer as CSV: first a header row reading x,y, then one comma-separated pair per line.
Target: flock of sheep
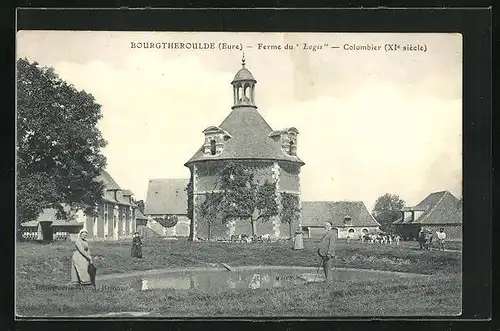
x,y
380,238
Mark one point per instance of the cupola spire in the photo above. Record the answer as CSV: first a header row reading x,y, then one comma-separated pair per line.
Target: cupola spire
x,y
244,87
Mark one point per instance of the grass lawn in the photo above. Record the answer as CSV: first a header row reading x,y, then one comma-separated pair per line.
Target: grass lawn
x,y
49,265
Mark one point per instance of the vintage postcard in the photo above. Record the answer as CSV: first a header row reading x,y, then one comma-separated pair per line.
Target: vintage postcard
x,y
227,174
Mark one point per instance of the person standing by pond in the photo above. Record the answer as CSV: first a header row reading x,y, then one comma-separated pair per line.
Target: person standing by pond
x,y
298,242
326,250
82,268
137,246
441,235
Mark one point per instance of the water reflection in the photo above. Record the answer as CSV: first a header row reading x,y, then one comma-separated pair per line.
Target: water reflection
x,y
217,281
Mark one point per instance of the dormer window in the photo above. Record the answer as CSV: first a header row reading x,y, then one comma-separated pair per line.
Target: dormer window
x,y
215,140
288,139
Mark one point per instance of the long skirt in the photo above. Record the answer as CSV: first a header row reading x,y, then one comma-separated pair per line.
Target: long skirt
x,y
80,270
298,242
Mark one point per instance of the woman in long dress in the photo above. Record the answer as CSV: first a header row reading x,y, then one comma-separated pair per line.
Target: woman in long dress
x,y
81,261
136,246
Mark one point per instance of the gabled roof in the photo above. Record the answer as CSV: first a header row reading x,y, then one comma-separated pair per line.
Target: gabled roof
x,y
445,210
249,139
316,213
110,186
439,208
430,201
108,181
166,197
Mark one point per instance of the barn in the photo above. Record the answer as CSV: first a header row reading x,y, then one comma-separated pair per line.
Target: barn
x,y
349,218
168,197
114,217
438,210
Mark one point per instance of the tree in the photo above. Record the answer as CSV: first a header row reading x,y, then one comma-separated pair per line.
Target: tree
x,y
167,221
242,197
58,144
208,210
387,210
290,212
190,208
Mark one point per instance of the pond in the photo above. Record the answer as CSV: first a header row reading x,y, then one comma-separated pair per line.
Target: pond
x,y
243,278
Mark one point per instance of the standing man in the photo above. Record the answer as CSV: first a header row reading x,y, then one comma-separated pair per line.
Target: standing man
x,y
441,237
326,250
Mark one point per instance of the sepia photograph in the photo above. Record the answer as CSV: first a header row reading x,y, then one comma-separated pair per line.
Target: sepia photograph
x,y
238,174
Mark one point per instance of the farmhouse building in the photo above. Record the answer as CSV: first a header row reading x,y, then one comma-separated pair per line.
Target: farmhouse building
x,y
349,218
438,210
115,218
245,137
167,197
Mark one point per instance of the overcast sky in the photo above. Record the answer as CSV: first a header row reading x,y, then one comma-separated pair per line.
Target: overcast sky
x,y
370,122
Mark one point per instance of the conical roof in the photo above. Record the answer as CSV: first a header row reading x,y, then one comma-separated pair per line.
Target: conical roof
x,y
249,139
243,75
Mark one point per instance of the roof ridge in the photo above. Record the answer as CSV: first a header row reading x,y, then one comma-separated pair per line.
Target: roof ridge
x,y
433,207
372,217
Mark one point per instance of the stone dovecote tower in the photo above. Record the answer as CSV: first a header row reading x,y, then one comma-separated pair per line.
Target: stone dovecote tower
x,y
244,136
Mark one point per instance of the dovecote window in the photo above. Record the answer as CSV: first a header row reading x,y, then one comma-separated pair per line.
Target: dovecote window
x,y
213,147
215,140
288,140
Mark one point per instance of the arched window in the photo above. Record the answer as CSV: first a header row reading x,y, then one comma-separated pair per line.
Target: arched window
x,y
213,149
351,230
365,231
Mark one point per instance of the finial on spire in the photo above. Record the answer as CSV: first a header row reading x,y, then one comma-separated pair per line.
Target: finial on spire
x,y
243,59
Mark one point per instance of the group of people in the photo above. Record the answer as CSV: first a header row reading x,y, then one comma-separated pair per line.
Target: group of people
x,y
83,270
426,237
326,249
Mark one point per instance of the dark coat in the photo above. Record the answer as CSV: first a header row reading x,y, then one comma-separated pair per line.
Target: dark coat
x,y
136,247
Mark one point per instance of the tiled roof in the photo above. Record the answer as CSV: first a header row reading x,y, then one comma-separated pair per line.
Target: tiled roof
x,y
430,201
110,186
250,139
316,213
446,210
166,197
439,208
243,74
108,181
